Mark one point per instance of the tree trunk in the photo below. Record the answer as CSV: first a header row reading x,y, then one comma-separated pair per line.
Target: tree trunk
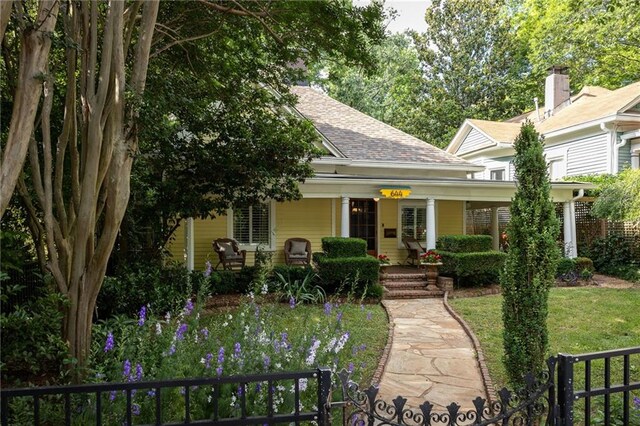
x,y
34,56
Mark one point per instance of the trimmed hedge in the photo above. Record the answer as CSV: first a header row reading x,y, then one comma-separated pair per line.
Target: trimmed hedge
x,y
336,273
335,247
477,268
565,265
294,273
583,263
464,243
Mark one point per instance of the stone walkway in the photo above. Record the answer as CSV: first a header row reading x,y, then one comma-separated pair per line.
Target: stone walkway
x,y
431,357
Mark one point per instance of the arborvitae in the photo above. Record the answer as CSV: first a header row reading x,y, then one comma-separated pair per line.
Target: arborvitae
x,y
531,261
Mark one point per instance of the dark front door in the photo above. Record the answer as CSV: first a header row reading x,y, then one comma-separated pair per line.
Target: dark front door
x,y
363,222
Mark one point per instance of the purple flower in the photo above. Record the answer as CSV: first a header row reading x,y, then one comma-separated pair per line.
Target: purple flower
x,y
135,409
221,355
351,367
207,360
208,269
339,317
172,350
368,316
180,332
237,350
126,369
139,372
188,308
205,333
267,362
258,387
327,308
151,393
292,302
219,371
636,402
142,316
112,396
108,346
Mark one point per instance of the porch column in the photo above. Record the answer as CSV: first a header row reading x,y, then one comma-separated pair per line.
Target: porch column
x,y
345,214
495,229
189,244
574,237
568,237
431,224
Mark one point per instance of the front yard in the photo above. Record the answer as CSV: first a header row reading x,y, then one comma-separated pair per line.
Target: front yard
x,y
580,320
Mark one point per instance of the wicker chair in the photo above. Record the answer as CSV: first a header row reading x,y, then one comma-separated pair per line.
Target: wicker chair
x,y
414,250
297,251
229,253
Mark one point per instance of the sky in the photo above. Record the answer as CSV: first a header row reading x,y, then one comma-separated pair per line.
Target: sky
x,y
410,14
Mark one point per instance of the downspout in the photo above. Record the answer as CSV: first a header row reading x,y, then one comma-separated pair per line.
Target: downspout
x,y
574,236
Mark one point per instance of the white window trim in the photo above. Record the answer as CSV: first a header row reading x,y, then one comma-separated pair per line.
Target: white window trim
x,y
495,169
409,203
272,229
562,159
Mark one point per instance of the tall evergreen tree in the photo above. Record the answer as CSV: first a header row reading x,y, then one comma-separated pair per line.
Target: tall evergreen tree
x,y
531,261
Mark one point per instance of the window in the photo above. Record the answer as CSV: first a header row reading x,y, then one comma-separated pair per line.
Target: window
x,y
497,174
414,222
556,169
251,225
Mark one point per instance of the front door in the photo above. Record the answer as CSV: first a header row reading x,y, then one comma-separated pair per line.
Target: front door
x,y
363,222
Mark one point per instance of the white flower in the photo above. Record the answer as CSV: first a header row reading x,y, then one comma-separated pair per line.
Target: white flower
x,y
341,342
202,360
168,317
158,328
331,344
278,365
265,288
230,317
224,324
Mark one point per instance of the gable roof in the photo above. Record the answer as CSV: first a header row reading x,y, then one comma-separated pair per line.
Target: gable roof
x,y
360,137
591,104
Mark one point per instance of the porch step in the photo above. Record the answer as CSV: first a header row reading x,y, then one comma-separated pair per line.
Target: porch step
x,y
413,294
405,285
414,276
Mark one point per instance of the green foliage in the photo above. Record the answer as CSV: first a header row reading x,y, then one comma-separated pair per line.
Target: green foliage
x,y
589,36
610,251
335,247
293,272
31,342
300,291
565,266
351,275
619,200
473,269
583,263
531,261
464,243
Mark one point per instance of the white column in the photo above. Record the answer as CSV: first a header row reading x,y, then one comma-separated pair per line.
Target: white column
x,y
568,234
431,224
189,244
635,160
345,214
495,228
574,239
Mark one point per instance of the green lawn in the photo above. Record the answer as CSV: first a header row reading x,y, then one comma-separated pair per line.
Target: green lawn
x,y
580,320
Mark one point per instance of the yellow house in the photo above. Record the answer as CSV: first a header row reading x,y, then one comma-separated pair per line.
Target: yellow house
x,y
375,182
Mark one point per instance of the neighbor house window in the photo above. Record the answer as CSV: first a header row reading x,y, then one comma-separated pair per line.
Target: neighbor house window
x,y
251,225
414,222
497,174
556,169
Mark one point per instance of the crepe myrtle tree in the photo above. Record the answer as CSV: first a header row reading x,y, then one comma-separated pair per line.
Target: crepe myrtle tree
x,y
531,261
76,75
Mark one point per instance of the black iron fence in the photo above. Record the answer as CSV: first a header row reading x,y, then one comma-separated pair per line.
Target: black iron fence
x,y
540,402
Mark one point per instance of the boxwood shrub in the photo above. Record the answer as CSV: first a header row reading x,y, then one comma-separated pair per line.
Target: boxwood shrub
x,y
335,247
348,274
477,268
583,263
464,243
565,265
294,273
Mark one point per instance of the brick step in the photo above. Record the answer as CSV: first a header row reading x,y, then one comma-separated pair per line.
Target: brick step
x,y
413,294
405,285
404,277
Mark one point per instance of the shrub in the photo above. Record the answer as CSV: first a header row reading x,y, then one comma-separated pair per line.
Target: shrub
x,y
356,273
477,268
565,266
292,272
583,263
30,339
335,247
464,243
300,290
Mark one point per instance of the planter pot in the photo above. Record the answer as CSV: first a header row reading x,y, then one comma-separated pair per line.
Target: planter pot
x,y
383,269
431,272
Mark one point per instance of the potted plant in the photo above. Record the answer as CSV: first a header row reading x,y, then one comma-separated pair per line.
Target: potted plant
x,y
384,261
430,261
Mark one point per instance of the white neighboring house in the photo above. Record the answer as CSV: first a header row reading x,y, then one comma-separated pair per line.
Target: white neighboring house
x,y
596,131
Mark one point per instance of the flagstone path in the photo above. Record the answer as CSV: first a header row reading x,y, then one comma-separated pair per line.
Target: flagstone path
x,y
431,357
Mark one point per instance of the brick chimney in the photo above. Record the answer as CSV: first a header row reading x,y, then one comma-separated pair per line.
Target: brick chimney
x,y
556,90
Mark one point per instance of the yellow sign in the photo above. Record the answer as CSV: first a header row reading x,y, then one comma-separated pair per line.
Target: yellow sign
x,y
395,192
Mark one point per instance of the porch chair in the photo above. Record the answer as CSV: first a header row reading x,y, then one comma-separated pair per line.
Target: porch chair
x,y
414,250
229,253
297,251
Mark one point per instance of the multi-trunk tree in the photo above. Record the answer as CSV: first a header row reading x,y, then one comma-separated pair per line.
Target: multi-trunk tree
x,y
531,261
76,108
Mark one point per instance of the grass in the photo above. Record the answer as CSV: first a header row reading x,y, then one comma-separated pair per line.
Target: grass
x,y
367,324
580,320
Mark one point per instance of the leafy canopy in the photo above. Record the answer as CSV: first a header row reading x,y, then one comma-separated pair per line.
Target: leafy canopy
x,y
619,199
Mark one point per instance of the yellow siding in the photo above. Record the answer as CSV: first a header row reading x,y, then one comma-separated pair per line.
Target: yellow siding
x,y
176,246
388,218
450,219
308,218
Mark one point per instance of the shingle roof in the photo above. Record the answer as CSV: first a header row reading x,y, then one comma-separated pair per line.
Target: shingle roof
x,y
361,137
497,130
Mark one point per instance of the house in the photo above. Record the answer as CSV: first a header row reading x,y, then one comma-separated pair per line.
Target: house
x,y
374,182
596,131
